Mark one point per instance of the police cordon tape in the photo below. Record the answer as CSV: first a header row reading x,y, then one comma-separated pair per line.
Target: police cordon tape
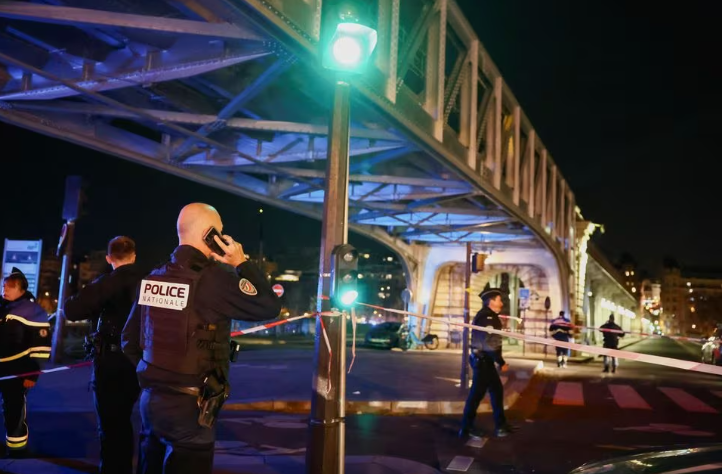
x,y
651,359
261,327
594,329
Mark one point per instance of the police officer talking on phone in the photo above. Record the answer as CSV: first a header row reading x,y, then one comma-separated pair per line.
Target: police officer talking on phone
x,y
107,301
178,335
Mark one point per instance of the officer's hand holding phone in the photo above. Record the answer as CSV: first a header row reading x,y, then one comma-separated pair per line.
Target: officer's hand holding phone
x,y
232,252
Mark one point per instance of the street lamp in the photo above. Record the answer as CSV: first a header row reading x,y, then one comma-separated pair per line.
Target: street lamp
x,y
347,42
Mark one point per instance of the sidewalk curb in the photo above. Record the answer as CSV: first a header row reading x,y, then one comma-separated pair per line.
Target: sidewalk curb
x,y
387,407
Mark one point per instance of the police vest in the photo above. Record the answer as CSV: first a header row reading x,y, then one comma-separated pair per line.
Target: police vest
x,y
174,335
22,337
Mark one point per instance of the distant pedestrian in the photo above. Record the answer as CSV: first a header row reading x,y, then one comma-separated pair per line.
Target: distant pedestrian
x,y
560,330
486,353
612,332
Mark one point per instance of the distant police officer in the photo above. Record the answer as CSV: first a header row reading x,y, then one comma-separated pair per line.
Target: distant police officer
x,y
560,330
178,333
24,340
486,352
107,301
612,332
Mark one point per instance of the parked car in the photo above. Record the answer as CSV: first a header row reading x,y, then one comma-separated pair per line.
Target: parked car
x,y
701,460
385,336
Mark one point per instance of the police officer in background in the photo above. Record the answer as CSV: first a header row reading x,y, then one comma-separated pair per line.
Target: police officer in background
x,y
560,330
178,334
24,340
107,301
612,332
486,353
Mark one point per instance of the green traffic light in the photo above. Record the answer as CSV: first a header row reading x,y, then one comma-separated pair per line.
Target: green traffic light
x,y
346,51
348,297
350,48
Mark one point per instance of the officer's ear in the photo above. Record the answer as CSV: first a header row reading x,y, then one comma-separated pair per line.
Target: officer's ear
x,y
108,260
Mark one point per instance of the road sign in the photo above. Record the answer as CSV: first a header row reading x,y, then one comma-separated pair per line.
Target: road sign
x,y
278,290
523,298
26,256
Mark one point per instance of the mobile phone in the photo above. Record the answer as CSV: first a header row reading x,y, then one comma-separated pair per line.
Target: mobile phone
x,y
211,242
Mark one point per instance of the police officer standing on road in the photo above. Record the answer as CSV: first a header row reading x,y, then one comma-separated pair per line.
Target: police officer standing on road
x,y
612,332
486,352
107,301
24,340
560,330
178,334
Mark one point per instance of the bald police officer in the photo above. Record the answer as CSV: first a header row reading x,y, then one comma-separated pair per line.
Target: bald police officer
x,y
486,352
178,335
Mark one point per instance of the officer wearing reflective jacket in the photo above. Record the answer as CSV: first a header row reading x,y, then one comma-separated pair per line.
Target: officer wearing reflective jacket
x,y
24,340
107,301
486,352
560,330
178,335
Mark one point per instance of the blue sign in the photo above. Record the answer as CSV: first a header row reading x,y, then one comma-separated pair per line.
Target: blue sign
x,y
26,256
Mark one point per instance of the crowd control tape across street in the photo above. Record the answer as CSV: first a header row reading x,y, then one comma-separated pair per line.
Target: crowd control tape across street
x,y
617,331
651,359
261,327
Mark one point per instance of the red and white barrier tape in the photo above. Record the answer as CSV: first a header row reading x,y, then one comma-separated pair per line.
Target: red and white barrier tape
x,y
46,371
594,329
261,327
651,359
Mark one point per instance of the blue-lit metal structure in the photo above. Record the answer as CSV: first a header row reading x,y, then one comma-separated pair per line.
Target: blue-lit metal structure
x,y
229,93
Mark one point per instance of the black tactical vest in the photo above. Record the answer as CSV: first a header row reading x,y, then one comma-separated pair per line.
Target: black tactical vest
x,y
175,336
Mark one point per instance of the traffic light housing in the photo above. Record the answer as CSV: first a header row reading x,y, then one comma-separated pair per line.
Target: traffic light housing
x,y
478,262
344,276
347,40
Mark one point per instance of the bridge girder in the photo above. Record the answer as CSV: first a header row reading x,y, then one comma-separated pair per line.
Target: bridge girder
x,y
438,126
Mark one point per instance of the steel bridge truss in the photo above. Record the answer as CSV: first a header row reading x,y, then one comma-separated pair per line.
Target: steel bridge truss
x,y
228,93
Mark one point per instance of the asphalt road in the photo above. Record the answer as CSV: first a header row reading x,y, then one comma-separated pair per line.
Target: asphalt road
x,y
566,417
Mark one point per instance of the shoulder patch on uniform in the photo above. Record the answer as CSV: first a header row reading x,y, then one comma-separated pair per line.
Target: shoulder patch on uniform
x,y
246,287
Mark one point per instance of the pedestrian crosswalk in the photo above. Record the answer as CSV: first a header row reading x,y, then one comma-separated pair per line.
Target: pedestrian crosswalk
x,y
629,397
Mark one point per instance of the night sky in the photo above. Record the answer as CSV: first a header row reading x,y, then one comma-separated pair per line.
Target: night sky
x,y
626,96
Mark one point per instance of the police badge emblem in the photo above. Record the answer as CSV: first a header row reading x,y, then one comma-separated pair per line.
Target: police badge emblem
x,y
246,287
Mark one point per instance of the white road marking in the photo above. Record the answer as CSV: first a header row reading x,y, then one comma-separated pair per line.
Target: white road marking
x,y
627,397
687,401
460,463
569,394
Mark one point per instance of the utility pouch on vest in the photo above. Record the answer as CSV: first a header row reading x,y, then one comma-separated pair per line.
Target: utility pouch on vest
x,y
213,394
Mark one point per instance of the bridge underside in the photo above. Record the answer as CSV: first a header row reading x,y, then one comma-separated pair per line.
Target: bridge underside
x,y
229,94
236,112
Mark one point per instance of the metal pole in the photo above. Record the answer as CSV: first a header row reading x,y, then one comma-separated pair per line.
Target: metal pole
x,y
466,319
325,445
57,349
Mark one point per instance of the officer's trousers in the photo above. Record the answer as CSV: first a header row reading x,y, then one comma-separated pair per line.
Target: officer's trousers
x,y
172,441
485,379
115,391
16,429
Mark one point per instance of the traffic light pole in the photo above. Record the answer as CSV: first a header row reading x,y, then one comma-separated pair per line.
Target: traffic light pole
x,y
56,353
325,443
